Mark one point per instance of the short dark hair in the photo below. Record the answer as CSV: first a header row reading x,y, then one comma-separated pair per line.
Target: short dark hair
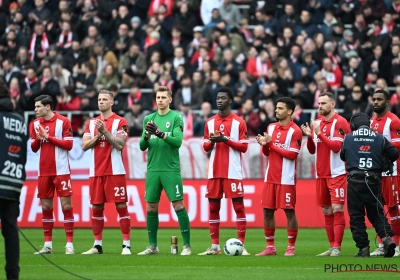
x,y
4,91
290,104
45,100
227,91
104,91
384,92
330,95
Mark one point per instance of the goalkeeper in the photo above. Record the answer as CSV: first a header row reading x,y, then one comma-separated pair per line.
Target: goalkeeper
x,y
163,137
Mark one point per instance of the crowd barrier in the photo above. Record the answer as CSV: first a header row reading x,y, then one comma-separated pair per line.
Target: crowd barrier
x,y
308,213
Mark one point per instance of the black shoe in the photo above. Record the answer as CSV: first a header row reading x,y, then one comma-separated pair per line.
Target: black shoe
x,y
389,247
363,253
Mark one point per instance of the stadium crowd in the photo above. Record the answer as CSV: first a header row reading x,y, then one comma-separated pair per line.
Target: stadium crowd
x,y
263,50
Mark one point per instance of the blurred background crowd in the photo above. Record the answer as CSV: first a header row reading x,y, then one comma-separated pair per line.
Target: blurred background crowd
x,y
261,49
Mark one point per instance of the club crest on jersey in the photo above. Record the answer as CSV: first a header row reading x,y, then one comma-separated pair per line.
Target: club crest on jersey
x,y
167,124
278,135
376,126
221,127
47,129
324,129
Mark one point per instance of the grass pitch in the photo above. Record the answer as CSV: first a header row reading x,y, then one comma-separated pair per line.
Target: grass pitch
x,y
111,265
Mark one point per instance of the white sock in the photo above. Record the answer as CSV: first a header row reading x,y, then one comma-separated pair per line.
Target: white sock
x,y
69,245
216,246
127,243
397,248
98,242
48,244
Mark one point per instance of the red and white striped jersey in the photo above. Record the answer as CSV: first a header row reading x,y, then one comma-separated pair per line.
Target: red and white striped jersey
x,y
105,159
327,146
226,162
285,144
389,126
53,159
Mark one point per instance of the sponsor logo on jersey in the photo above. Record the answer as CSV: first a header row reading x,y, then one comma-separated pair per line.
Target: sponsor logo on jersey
x,y
167,124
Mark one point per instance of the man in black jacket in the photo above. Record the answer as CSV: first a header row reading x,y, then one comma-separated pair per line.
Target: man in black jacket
x,y
365,153
14,135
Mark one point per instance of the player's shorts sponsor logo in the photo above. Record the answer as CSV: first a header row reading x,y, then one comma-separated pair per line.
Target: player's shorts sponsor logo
x,y
167,124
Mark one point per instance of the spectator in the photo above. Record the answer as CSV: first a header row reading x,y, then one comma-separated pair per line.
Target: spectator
x,y
345,94
355,105
266,115
23,62
332,73
250,117
135,32
187,120
102,58
373,10
48,85
198,82
347,10
284,71
259,65
298,116
229,65
154,4
153,74
107,78
210,93
74,58
11,71
89,100
132,65
120,17
179,58
305,26
86,77
356,71
70,101
360,29
348,47
16,95
120,43
200,120
310,68
379,63
186,20
40,13
61,75
288,19
119,106
135,116
230,13
65,38
187,94
207,9
376,37
152,44
294,61
39,43
328,23
322,86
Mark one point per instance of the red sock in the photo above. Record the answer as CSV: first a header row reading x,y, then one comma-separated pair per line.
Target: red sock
x,y
329,219
214,221
395,224
339,224
240,220
269,236
98,223
48,224
69,224
292,235
125,223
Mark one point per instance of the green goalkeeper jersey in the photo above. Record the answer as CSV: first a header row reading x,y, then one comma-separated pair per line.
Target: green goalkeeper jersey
x,y
163,155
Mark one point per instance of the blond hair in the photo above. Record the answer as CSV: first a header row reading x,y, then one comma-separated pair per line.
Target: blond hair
x,y
165,89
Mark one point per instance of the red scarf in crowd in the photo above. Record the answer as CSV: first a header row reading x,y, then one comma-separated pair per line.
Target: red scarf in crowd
x,y
156,3
148,43
396,8
29,82
61,40
45,44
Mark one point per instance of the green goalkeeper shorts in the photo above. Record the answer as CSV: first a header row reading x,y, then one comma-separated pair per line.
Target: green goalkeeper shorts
x,y
171,182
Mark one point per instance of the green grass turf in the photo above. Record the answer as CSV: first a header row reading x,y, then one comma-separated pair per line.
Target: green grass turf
x,y
111,265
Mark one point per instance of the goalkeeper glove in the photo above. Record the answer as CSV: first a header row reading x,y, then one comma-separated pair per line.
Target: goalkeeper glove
x,y
152,128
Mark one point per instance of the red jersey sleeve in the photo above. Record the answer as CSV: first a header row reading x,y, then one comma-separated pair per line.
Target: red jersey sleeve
x,y
207,145
87,129
395,132
341,129
242,145
35,143
67,137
